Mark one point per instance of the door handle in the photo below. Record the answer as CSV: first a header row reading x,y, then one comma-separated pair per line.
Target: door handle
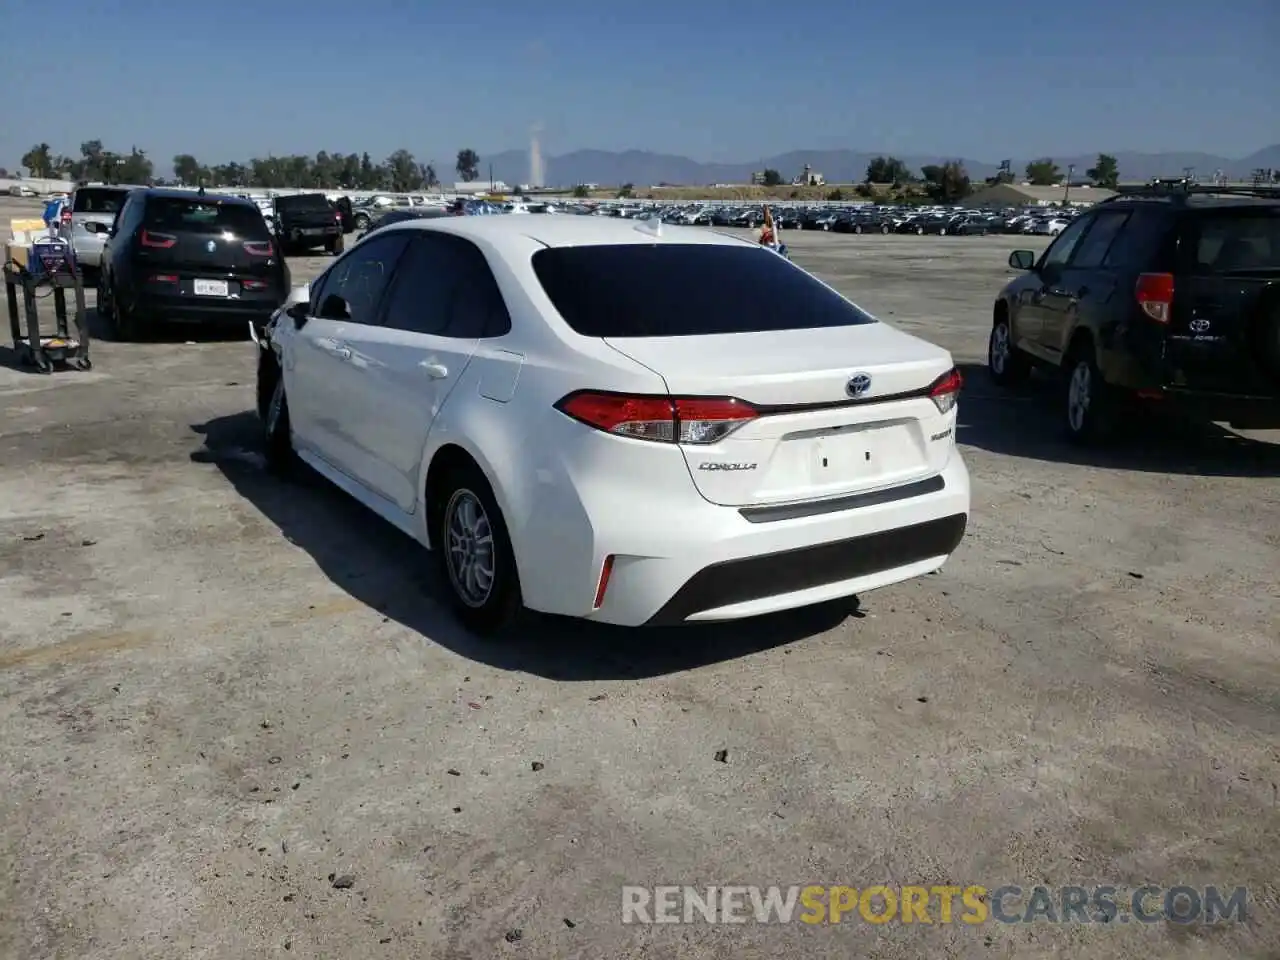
x,y
342,353
436,371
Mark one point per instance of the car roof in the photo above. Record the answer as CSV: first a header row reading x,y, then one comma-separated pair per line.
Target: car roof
x,y
507,232
164,193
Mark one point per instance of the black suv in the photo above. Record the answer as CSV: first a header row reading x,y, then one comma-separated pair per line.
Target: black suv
x,y
178,256
307,220
1167,295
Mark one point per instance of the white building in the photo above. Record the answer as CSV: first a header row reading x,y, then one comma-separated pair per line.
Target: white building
x,y
480,186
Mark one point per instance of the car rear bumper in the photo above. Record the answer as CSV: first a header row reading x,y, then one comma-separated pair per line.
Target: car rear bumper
x,y
1256,411
154,308
684,560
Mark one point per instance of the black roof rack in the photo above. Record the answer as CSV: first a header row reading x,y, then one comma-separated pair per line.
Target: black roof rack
x,y
1179,189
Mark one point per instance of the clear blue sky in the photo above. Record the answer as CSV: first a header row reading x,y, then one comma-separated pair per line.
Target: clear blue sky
x,y
725,80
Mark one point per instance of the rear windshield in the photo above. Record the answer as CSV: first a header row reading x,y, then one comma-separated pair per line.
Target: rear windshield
x,y
196,216
98,200
307,201
675,290
1240,241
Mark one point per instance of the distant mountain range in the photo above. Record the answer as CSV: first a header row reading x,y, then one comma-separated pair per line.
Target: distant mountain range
x,y
644,169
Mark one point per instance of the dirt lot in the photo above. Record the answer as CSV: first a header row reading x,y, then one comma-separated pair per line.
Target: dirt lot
x,y
218,691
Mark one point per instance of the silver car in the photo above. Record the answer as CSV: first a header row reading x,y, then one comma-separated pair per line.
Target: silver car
x,y
92,211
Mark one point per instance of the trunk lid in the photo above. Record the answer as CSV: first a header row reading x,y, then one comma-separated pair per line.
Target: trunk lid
x,y
813,439
1230,269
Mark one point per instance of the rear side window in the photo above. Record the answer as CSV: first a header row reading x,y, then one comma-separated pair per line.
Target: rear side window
x,y
1093,248
98,200
1142,244
676,290
177,214
444,287
1245,240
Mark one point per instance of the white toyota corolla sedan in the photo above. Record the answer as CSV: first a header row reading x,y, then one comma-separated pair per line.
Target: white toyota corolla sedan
x,y
625,421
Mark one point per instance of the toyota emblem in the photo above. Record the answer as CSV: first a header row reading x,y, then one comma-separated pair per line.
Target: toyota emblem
x,y
858,385
1199,325
211,246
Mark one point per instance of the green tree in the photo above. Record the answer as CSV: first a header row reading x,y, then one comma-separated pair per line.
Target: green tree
x,y
887,170
946,183
405,175
772,178
836,195
626,191
581,191
186,169
1043,172
136,168
39,162
468,165
428,174
1105,172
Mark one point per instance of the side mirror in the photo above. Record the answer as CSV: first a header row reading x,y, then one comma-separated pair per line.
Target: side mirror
x,y
1022,259
298,313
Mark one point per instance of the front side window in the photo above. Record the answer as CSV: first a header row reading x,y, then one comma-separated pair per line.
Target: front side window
x,y
360,278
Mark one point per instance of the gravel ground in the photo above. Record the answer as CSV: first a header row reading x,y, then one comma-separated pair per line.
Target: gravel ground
x,y
221,698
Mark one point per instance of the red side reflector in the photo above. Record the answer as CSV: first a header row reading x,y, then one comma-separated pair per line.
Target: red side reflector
x,y
1154,293
606,571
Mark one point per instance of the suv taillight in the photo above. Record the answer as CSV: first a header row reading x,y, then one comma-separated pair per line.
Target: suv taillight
x,y
698,420
65,215
1154,293
161,241
259,248
945,391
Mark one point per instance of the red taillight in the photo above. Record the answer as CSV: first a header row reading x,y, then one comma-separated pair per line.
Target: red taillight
x,y
606,571
65,215
253,284
162,241
259,248
665,419
165,278
1154,293
945,391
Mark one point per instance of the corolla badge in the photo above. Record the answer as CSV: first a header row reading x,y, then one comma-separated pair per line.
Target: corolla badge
x,y
858,385
1199,325
211,246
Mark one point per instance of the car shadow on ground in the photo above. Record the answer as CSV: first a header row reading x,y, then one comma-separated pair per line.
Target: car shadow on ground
x,y
381,567
1027,423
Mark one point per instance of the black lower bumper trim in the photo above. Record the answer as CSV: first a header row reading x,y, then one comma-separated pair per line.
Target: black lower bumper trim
x,y
773,574
853,501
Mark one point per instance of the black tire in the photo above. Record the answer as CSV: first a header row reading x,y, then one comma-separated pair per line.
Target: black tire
x,y
1006,364
919,231
361,221
277,433
884,229
124,322
857,228
106,311
480,607
1089,408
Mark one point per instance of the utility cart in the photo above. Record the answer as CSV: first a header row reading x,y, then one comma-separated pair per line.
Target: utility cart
x,y
52,270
